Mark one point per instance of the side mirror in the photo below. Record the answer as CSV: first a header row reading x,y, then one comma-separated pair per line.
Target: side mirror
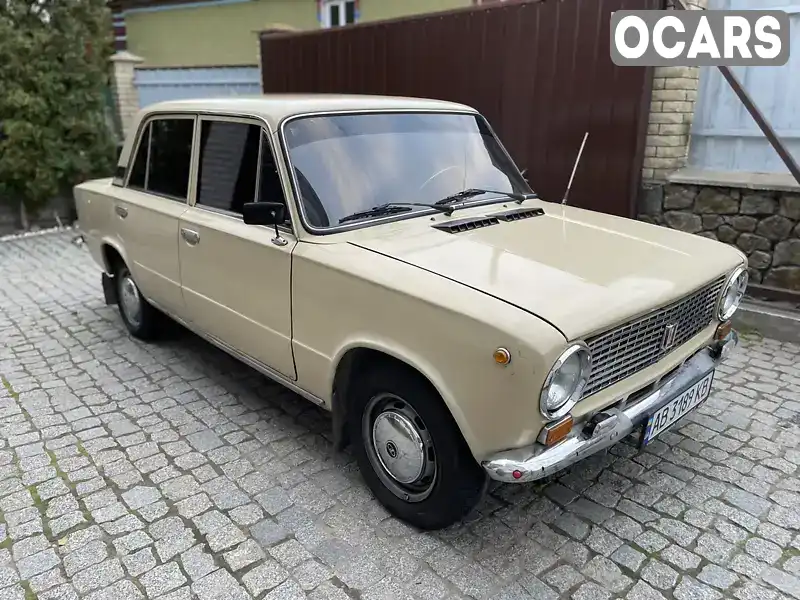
x,y
264,213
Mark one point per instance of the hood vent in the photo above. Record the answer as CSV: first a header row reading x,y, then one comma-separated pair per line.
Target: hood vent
x,y
519,214
462,225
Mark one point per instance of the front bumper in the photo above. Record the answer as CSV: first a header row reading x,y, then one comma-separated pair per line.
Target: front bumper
x,y
538,461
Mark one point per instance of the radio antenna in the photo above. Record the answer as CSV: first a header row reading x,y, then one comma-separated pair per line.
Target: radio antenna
x,y
574,168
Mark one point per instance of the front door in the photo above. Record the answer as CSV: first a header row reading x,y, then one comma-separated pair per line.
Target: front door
x,y
236,279
148,209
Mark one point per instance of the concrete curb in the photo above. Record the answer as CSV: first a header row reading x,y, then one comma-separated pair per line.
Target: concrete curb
x,y
775,320
36,233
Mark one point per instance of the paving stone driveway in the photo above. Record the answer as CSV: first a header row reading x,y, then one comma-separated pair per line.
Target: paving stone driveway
x,y
172,471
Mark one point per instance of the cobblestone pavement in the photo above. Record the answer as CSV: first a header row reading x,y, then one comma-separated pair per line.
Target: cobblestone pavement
x,y
172,471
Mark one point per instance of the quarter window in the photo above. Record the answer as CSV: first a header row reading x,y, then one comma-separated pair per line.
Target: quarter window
x,y
163,159
270,188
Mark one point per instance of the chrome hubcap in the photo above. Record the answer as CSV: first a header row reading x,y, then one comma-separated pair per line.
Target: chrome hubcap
x,y
400,447
130,301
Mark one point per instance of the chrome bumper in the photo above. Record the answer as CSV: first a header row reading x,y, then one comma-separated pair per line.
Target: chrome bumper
x,y
538,461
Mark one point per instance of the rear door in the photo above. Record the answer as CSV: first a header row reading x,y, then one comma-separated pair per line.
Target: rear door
x,y
236,278
147,211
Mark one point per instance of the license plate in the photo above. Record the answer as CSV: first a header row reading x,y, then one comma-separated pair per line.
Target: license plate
x,y
673,410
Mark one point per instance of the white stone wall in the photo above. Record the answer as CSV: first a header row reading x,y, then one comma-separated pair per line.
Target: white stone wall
x,y
122,83
671,113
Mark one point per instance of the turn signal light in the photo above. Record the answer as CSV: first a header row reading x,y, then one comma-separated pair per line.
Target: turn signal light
x,y
502,356
556,432
722,331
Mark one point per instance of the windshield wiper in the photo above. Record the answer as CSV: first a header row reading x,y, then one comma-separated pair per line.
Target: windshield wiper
x,y
394,207
471,192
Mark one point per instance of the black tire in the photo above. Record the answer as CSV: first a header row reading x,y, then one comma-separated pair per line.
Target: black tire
x,y
146,326
457,482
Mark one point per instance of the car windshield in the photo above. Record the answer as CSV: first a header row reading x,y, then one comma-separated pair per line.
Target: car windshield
x,y
346,164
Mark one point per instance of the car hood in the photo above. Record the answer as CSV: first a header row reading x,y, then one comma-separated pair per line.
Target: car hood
x,y
579,270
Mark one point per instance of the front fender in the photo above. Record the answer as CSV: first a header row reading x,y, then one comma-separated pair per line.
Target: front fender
x,y
344,298
403,354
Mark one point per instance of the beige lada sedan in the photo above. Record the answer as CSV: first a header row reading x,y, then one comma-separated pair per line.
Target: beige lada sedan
x,y
385,259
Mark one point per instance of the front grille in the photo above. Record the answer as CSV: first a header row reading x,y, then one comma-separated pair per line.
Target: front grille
x,y
628,349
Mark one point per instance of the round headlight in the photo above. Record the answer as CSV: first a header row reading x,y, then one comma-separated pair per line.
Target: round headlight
x,y
732,294
566,381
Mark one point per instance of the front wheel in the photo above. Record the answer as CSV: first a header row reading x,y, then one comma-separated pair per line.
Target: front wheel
x,y
410,451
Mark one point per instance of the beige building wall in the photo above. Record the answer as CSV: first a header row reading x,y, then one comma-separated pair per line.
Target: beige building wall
x,y
373,10
227,34
217,35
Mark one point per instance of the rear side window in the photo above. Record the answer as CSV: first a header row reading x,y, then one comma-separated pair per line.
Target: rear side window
x,y
228,168
170,157
163,159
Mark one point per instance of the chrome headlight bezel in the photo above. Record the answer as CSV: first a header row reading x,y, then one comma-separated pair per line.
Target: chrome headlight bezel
x,y
585,356
737,281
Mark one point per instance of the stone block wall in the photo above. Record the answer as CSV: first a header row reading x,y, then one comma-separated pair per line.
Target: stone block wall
x,y
764,224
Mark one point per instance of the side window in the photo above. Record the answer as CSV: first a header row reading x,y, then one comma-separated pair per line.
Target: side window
x,y
139,168
170,157
228,164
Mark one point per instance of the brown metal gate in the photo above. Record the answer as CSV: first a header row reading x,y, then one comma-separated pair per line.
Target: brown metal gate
x,y
540,71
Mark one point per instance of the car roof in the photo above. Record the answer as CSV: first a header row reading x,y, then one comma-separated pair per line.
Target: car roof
x,y
274,108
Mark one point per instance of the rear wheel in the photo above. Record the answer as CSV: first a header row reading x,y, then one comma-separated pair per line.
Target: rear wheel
x,y
410,451
139,316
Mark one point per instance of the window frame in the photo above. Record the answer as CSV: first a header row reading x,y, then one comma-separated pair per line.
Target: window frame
x,y
342,4
340,228
265,135
145,125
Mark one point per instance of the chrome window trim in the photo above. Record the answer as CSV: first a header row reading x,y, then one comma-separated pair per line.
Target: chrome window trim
x,y
321,231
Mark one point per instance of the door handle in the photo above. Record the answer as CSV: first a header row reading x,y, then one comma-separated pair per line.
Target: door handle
x,y
192,237
121,211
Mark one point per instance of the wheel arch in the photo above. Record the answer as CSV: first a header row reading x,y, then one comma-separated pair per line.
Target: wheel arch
x,y
111,253
356,357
